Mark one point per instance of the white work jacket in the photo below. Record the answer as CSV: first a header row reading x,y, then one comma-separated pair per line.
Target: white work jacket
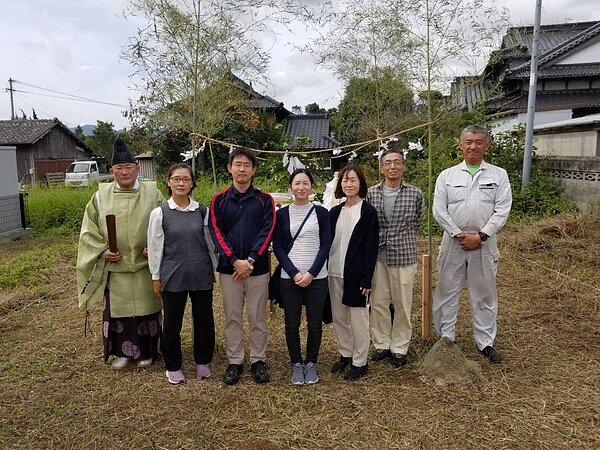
x,y
472,203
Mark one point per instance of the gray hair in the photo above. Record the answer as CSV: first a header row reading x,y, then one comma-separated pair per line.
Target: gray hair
x,y
389,151
475,129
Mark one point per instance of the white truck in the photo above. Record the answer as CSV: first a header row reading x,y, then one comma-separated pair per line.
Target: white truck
x,y
82,173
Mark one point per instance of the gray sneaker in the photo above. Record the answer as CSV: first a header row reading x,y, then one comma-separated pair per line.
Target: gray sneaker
x,y
298,373
310,373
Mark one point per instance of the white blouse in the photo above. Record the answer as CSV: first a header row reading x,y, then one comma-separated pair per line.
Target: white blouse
x,y
349,217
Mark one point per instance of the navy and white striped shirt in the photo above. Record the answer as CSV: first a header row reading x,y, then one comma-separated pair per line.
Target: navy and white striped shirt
x,y
307,244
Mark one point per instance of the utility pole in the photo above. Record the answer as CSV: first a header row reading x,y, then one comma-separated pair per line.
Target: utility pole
x,y
531,99
12,105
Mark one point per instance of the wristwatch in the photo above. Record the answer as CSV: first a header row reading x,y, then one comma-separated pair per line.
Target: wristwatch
x,y
251,260
483,236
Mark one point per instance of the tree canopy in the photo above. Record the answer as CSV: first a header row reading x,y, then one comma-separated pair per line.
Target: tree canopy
x,y
374,106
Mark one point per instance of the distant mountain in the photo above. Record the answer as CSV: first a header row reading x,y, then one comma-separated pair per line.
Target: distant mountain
x,y
88,129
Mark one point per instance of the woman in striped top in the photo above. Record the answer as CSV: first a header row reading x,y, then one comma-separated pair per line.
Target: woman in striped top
x,y
304,273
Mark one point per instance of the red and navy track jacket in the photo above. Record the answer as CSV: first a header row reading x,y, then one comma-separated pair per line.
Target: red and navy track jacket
x,y
250,235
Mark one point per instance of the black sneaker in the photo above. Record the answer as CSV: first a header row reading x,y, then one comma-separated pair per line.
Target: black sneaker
x,y
232,374
399,360
260,372
340,365
381,354
492,354
355,373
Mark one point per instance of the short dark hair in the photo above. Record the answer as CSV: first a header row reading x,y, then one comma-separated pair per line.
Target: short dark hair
x,y
176,166
304,171
242,151
362,191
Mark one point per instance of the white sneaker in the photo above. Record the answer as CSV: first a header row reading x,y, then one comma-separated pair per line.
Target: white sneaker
x,y
120,362
144,363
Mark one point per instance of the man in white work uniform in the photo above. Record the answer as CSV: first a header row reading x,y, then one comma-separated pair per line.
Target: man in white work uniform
x,y
472,202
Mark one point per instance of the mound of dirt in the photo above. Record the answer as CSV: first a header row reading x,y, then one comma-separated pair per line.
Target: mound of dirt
x,y
446,364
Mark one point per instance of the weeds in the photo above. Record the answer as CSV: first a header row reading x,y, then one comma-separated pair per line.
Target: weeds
x,y
59,208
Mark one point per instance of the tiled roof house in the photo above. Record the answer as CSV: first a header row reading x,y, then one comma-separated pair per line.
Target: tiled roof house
x,y
568,84
316,127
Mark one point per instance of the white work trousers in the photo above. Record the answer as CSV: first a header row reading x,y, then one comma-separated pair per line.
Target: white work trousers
x,y
478,268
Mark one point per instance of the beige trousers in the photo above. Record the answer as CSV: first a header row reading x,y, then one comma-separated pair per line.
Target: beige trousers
x,y
254,291
351,325
392,285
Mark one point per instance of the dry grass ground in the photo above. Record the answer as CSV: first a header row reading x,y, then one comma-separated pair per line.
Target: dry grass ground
x,y
55,392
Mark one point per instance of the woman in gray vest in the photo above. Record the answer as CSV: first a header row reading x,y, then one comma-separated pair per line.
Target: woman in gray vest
x,y
181,263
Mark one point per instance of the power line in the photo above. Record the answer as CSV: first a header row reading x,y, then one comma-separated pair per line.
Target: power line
x,y
69,96
33,107
312,96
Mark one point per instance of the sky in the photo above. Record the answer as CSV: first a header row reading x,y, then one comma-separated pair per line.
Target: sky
x,y
73,47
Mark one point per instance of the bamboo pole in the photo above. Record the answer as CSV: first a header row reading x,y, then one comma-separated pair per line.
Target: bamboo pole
x,y
425,317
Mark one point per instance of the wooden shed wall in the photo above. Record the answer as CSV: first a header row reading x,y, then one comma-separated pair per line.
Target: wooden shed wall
x,y
53,153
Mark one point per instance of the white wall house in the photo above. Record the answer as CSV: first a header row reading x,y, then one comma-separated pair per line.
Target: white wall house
x,y
568,77
506,122
573,137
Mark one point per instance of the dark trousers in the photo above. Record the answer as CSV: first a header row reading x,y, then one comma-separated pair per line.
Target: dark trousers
x,y
313,297
203,325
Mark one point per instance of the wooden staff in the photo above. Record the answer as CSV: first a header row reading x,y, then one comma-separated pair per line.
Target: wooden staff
x,y
111,226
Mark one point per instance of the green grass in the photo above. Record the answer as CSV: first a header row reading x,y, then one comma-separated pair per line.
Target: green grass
x,y
27,267
59,209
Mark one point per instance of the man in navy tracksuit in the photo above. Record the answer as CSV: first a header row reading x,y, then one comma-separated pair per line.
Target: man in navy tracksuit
x,y
242,224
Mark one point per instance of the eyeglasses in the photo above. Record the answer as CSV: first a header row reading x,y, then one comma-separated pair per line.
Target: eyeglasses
x,y
393,162
239,165
180,179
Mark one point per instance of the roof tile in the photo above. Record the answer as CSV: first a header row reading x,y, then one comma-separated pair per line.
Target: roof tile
x,y
548,101
315,126
20,131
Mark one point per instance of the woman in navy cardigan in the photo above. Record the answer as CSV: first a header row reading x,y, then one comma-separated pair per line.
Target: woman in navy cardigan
x,y
304,273
355,241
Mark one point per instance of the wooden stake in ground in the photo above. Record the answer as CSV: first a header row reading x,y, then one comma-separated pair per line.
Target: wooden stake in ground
x,y
111,226
425,320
